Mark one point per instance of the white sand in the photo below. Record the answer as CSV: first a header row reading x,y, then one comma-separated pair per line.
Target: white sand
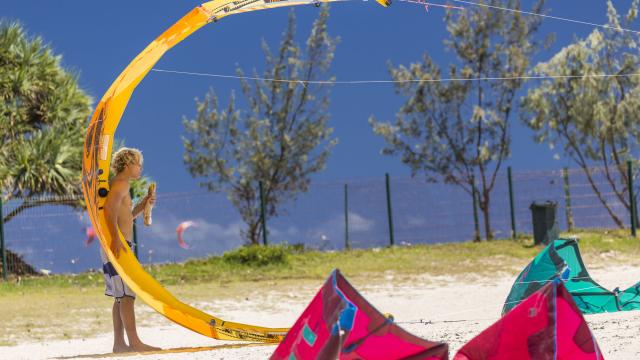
x,y
457,309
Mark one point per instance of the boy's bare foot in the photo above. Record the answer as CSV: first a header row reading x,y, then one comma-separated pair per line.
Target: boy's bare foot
x,y
142,347
121,348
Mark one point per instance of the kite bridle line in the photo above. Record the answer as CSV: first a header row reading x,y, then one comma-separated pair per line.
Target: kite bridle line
x,y
213,17
361,82
427,4
427,322
621,29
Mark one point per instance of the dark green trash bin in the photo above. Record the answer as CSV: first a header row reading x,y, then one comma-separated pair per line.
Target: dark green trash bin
x,y
545,226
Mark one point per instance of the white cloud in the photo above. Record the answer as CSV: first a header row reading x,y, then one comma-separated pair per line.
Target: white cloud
x,y
290,232
330,234
416,221
359,223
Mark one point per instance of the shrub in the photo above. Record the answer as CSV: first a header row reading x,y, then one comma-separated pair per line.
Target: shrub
x,y
256,255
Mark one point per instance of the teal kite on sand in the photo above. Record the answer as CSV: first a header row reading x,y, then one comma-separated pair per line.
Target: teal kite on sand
x,y
562,259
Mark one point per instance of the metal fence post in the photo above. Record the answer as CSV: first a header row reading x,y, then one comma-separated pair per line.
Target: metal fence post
x,y
632,203
389,212
262,215
135,230
513,213
476,220
3,249
347,245
567,199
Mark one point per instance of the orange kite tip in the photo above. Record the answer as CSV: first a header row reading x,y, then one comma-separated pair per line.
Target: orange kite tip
x,y
385,3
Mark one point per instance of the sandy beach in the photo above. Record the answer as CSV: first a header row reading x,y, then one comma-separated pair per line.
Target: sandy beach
x,y
452,310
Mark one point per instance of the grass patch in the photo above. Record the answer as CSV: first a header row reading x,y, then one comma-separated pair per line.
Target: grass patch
x,y
72,306
258,263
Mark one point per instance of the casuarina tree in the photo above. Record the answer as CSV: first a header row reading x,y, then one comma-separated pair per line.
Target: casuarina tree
x,y
590,106
279,140
454,126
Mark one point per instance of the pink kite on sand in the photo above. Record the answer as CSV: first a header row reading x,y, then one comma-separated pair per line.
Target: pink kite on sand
x,y
546,325
341,324
91,235
180,230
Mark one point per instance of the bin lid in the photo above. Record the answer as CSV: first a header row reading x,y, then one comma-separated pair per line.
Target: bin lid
x,y
543,204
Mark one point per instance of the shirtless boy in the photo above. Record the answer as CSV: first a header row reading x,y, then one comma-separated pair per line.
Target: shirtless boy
x,y
119,213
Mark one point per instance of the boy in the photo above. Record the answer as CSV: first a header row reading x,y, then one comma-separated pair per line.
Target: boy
x,y
127,166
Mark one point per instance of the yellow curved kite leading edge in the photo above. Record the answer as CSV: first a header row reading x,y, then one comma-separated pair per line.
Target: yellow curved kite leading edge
x,y
97,158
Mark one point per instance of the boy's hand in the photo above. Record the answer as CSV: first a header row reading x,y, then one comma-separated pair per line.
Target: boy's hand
x,y
116,246
150,199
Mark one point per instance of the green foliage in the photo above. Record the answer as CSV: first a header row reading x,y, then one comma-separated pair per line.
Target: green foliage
x,y
255,255
458,131
280,140
43,114
595,119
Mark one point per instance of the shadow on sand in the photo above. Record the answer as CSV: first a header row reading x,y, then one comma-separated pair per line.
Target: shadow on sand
x,y
165,351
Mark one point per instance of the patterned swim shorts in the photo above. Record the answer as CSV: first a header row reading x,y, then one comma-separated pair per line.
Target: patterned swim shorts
x,y
114,285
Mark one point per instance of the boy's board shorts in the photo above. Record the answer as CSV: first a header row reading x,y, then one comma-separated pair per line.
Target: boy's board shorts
x,y
114,285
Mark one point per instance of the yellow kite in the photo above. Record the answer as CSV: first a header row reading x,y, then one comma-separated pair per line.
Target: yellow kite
x,y
97,158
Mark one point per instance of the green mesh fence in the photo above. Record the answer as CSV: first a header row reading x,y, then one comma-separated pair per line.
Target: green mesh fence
x,y
57,238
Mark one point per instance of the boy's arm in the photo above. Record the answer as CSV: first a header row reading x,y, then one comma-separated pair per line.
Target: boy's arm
x,y
139,208
117,193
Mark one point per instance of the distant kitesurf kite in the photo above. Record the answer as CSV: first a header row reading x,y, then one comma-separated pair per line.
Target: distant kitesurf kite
x,y
91,235
180,230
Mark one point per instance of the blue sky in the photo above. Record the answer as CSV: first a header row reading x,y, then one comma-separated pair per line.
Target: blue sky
x,y
98,39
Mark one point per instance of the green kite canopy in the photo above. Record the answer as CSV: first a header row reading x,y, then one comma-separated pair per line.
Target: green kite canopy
x,y
562,259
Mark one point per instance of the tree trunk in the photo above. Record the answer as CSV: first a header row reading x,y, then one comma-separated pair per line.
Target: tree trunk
x,y
476,222
253,234
484,206
621,194
635,204
601,198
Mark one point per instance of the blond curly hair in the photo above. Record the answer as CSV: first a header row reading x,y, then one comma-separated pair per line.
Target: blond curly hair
x,y
124,157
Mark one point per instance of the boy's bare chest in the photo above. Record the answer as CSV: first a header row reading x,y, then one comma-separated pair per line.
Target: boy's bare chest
x,y
125,208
